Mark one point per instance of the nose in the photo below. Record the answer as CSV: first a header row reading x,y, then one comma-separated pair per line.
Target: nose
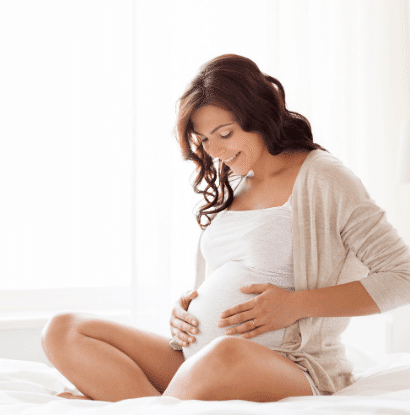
x,y
216,149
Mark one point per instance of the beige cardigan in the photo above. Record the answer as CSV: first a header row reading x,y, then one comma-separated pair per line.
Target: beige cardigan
x,y
339,235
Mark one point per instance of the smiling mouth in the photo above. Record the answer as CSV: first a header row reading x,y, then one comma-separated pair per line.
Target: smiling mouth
x,y
231,159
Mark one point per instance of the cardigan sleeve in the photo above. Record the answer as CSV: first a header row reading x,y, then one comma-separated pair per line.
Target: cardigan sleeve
x,y
376,243
364,230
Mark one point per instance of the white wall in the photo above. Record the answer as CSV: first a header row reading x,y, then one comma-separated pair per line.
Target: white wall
x,y
23,344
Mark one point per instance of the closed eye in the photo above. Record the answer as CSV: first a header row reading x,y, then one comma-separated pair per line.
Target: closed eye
x,y
226,136
222,136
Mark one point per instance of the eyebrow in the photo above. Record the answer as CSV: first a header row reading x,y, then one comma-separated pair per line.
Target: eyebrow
x,y
217,128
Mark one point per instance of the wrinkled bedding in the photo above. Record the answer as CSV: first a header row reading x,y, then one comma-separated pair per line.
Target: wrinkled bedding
x,y
382,386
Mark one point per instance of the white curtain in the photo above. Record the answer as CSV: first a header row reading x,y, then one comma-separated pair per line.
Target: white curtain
x,y
344,65
65,139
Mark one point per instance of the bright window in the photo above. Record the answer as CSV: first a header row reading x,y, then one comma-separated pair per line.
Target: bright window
x,y
65,143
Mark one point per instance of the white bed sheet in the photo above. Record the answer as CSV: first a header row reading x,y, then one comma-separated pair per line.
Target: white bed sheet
x,y
382,386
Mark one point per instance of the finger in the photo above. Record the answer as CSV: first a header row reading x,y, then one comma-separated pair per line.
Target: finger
x,y
237,318
179,341
255,288
185,301
254,333
247,305
180,313
182,326
241,328
185,339
182,338
190,294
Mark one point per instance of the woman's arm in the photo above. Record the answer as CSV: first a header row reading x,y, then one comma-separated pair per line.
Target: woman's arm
x,y
345,300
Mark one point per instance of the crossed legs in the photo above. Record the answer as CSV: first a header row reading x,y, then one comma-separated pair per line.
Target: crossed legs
x,y
111,362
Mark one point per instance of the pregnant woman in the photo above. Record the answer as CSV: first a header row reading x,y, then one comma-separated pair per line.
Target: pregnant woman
x,y
285,258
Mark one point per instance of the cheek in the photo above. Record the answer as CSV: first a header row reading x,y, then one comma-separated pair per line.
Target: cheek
x,y
250,150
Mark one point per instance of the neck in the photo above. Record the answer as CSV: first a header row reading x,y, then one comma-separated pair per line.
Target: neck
x,y
280,166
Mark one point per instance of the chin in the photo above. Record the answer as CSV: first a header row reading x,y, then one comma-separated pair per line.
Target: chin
x,y
241,172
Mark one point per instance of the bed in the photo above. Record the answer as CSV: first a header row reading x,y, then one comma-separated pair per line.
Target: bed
x,y
382,386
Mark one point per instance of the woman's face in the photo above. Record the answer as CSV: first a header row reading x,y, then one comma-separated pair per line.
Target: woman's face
x,y
222,138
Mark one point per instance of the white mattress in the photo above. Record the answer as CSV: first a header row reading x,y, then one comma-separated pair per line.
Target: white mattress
x,y
382,386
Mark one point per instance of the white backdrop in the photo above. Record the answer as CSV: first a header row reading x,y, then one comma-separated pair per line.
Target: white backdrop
x,y
65,143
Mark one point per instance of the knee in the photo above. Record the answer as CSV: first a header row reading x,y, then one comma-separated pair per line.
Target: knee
x,y
224,354
209,370
56,333
230,350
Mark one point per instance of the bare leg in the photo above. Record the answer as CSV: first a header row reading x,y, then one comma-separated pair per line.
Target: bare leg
x,y
109,361
234,368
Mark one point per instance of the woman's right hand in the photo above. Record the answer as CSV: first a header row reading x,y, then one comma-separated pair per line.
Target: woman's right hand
x,y
183,325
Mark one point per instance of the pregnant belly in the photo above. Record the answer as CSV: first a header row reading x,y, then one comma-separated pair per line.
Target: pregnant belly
x,y
219,292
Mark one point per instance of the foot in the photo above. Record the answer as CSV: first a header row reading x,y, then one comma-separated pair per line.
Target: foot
x,y
69,395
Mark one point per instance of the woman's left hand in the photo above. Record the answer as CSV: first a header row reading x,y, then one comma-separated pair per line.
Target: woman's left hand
x,y
273,309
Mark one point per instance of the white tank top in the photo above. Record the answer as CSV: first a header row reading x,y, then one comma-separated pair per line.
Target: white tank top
x,y
242,248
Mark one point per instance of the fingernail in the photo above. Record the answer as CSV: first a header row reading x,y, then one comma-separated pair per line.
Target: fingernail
x,y
220,324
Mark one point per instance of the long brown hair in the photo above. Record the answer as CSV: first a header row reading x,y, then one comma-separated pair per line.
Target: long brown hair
x,y
257,103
